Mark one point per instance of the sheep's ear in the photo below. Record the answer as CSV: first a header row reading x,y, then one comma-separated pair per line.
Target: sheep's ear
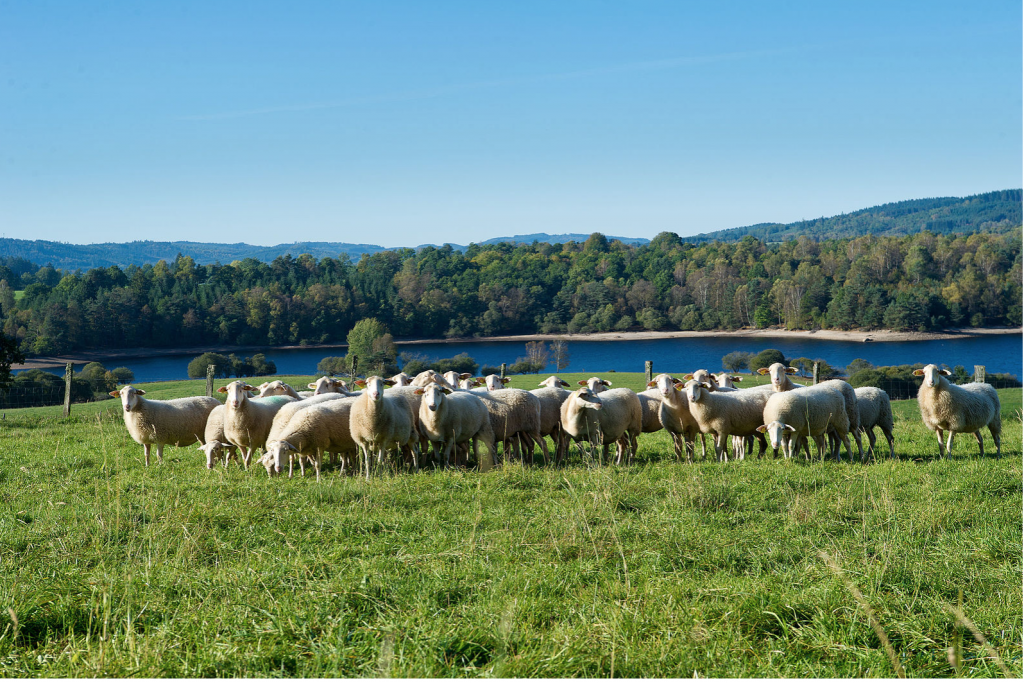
x,y
687,377
446,390
418,390
360,383
947,373
789,428
542,384
652,384
311,385
506,380
679,386
791,371
919,372
762,428
606,383
249,387
222,390
288,446
389,382
465,375
582,382
140,392
706,385
737,378
564,383
115,394
762,371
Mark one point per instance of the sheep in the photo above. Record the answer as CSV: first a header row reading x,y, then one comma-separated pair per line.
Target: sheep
x,y
453,378
494,382
727,381
807,412
327,385
215,443
401,380
779,374
674,416
612,416
595,384
180,421
317,428
452,418
469,384
650,409
875,411
247,421
276,388
286,412
960,409
852,411
725,413
515,412
379,420
427,377
552,395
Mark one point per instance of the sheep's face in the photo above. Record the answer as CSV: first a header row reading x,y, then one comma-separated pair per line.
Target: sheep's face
x,y
932,375
494,382
727,380
776,432
454,378
277,454
433,396
595,384
665,384
402,380
327,385
705,377
554,382
777,372
237,393
469,383
213,449
586,398
696,391
375,386
129,396
275,388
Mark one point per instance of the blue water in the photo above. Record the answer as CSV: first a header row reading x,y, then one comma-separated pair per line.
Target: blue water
x,y
998,353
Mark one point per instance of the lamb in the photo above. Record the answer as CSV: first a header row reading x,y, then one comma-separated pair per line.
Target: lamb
x,y
875,411
380,420
247,421
674,415
317,428
452,418
552,395
515,412
808,412
723,414
180,421
960,409
215,443
780,376
612,416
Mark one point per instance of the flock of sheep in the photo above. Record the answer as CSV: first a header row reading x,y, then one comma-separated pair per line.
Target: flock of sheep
x,y
444,417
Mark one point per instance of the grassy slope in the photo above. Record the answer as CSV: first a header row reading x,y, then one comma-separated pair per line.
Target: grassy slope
x,y
660,569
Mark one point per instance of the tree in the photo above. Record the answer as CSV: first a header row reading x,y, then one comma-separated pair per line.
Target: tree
x,y
9,355
332,365
856,365
241,367
374,347
197,366
122,375
98,378
560,354
767,358
735,361
537,354
262,366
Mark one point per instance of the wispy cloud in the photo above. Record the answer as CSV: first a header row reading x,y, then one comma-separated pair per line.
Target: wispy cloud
x,y
441,91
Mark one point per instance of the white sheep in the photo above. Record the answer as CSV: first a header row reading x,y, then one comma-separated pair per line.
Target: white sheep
x,y
736,413
727,381
247,421
215,442
276,388
595,384
315,429
453,378
515,415
494,382
469,384
552,395
452,418
779,374
604,418
806,413
401,380
962,409
852,411
379,421
180,421
328,385
875,411
286,412
674,415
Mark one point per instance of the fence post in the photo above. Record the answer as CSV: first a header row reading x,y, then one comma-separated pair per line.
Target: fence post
x,y
355,364
979,373
210,369
648,371
503,371
814,373
68,372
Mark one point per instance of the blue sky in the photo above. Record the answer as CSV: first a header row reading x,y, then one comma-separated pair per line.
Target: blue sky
x,y
400,123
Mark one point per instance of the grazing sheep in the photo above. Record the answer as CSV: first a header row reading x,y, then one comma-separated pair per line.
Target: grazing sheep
x,y
737,413
514,413
875,410
960,409
380,420
215,442
452,418
317,428
803,413
247,421
674,415
286,412
779,374
604,418
552,396
180,421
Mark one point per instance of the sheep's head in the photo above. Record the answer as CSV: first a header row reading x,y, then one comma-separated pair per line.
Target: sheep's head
x,y
696,391
375,386
275,388
402,380
213,450
129,396
666,384
932,375
494,382
726,380
469,383
327,385
776,431
595,384
433,395
554,381
236,393
777,372
587,399
277,453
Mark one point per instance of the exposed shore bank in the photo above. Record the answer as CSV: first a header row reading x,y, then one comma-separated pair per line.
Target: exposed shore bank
x,y
115,355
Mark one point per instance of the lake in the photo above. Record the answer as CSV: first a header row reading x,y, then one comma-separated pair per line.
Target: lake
x,y
997,352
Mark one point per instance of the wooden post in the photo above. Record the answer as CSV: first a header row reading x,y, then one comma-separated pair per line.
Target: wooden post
x,y
648,371
355,364
68,373
979,373
503,371
210,370
814,376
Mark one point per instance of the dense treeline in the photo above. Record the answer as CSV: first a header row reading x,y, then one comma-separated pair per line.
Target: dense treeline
x,y
921,282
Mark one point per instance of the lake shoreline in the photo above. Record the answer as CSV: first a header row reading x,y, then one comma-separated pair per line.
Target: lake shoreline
x,y
868,336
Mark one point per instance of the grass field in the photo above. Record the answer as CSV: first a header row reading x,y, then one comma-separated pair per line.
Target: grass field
x,y
658,569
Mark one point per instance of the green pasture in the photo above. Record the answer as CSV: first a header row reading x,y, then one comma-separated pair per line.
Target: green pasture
x,y
660,569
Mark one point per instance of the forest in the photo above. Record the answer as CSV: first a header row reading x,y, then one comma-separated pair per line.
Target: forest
x,y
925,281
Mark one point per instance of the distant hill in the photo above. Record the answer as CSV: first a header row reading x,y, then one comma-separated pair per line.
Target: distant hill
x,y
545,237
992,212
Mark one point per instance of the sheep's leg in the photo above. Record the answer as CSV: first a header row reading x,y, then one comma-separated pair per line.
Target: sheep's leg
x,y
892,443
856,439
366,460
942,445
703,447
543,448
819,441
145,449
949,445
995,429
720,453
871,442
291,464
762,445
160,453
302,464
981,444
849,450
